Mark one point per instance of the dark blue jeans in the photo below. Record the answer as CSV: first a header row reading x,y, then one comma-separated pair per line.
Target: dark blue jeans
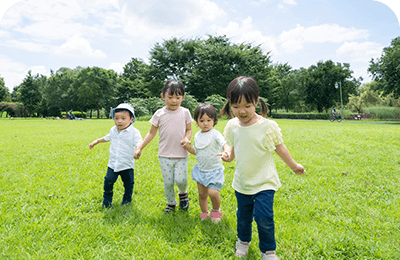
x,y
260,207
127,177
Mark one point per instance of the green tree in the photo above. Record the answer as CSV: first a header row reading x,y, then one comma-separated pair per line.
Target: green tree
x,y
59,94
132,82
386,69
173,59
94,87
3,90
368,96
321,92
217,101
217,62
30,94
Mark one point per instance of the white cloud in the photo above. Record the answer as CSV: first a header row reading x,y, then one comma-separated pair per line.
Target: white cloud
x,y
117,67
246,32
77,46
39,70
12,71
29,46
359,52
294,40
61,19
289,2
159,19
126,41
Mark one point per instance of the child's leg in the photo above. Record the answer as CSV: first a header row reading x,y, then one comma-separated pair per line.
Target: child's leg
x,y
203,197
109,180
215,198
244,216
167,171
264,217
127,177
180,174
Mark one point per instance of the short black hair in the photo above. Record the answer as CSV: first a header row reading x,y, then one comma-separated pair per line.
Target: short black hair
x,y
205,108
173,87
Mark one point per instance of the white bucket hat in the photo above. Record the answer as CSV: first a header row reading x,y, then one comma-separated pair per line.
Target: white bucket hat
x,y
125,106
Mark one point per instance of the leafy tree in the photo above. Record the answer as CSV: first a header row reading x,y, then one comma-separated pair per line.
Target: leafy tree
x,y
173,59
3,89
30,95
132,82
190,103
94,87
217,101
59,94
367,96
218,62
386,69
321,81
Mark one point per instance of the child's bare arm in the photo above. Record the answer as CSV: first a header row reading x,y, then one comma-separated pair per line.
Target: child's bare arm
x,y
188,133
188,147
100,140
283,152
147,139
229,154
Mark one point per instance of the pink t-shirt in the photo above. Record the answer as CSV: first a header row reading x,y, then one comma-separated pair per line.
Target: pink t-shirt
x,y
172,129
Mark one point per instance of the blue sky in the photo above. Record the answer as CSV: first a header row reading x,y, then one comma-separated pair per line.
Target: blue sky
x,y
41,35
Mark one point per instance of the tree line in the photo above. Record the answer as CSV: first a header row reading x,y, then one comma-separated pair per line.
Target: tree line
x,y
205,66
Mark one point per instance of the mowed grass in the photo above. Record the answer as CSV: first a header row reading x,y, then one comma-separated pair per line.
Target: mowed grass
x,y
345,207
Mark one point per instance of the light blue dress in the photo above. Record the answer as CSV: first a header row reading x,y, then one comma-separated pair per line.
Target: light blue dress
x,y
209,170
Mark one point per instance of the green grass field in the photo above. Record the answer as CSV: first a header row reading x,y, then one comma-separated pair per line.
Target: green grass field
x,y
345,207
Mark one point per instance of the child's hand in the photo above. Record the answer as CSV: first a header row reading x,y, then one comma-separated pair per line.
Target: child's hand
x,y
137,154
92,144
186,144
299,170
225,156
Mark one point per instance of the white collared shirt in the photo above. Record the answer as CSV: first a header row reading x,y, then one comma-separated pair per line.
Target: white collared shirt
x,y
122,148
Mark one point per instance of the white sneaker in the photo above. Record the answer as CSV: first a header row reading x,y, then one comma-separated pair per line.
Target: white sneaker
x,y
242,248
269,256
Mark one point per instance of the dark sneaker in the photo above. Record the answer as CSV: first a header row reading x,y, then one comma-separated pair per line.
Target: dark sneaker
x,y
184,201
170,208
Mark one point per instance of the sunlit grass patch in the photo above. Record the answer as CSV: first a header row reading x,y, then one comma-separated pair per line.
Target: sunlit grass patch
x,y
345,207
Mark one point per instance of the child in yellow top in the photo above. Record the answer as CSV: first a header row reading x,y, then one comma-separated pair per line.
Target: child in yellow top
x,y
253,138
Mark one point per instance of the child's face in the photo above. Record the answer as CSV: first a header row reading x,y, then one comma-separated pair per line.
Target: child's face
x,y
173,102
205,123
245,112
122,119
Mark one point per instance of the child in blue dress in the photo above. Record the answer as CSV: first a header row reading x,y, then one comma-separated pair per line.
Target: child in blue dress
x,y
208,172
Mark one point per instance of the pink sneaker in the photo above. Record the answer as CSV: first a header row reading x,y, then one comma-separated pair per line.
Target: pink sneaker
x,y
204,215
216,215
242,248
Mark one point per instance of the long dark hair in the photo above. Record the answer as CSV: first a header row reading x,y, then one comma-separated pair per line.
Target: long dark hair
x,y
243,87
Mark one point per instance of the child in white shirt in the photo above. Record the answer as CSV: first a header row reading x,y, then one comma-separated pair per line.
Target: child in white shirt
x,y
124,139
174,123
208,172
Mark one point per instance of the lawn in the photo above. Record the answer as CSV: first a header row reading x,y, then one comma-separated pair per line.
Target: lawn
x,y
345,207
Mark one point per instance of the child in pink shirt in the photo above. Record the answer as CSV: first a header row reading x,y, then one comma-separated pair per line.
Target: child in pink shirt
x,y
174,123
